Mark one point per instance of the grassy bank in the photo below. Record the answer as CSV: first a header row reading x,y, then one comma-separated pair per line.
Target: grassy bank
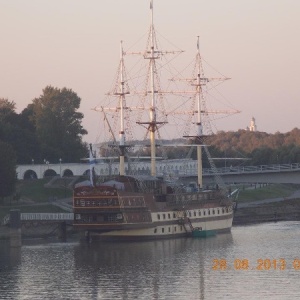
x,y
267,192
35,196
35,190
287,210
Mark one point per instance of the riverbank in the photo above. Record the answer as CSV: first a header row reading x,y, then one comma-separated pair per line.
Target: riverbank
x,y
268,211
254,212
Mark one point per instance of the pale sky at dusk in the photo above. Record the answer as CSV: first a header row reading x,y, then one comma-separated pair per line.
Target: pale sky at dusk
x,y
75,44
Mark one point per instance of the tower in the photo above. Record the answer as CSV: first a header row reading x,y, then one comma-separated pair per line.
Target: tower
x,y
252,125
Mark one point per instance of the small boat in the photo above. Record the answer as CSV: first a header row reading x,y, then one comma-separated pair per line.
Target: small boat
x,y
137,207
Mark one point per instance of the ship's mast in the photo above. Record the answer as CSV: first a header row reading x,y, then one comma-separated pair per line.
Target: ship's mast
x,y
152,124
199,120
119,91
122,106
152,54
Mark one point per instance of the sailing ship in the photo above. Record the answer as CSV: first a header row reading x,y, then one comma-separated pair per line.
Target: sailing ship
x,y
137,207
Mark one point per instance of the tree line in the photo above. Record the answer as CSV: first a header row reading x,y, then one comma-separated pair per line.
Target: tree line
x,y
259,147
256,148
48,129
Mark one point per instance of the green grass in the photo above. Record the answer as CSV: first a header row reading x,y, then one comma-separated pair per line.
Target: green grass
x,y
267,192
33,197
35,191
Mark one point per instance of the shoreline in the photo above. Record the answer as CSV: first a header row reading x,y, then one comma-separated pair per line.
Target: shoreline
x,y
261,212
268,211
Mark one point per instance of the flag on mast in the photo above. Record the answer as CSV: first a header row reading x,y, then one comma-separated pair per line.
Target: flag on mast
x,y
92,165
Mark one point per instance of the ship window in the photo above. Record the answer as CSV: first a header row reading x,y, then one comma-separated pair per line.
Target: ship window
x,y
169,216
209,212
169,229
213,211
111,218
158,216
190,214
199,213
162,230
180,228
204,213
195,214
164,216
223,210
155,230
175,228
218,212
174,215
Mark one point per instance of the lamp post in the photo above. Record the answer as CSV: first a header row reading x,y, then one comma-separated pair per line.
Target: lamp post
x,y
60,167
32,161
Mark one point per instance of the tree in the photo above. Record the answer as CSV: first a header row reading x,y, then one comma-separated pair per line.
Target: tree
x,y
6,106
18,131
7,169
58,125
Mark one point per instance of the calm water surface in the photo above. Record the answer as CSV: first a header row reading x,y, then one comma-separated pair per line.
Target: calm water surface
x,y
170,269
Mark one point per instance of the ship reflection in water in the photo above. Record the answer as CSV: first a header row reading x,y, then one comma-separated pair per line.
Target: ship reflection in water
x,y
257,261
150,270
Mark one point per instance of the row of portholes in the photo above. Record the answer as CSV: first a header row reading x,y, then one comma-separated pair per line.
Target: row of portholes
x,y
209,212
167,215
168,230
191,214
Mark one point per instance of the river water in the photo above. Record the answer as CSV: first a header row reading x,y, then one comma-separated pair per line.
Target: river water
x,y
252,262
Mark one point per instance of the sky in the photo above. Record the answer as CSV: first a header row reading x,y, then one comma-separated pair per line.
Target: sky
x,y
75,44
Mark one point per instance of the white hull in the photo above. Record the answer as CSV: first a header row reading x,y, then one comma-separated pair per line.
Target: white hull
x,y
168,225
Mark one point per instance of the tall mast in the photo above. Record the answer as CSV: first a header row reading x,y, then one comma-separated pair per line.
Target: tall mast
x,y
122,106
120,91
198,81
152,53
152,124
199,120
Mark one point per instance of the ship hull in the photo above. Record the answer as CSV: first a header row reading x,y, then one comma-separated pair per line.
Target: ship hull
x,y
196,227
122,212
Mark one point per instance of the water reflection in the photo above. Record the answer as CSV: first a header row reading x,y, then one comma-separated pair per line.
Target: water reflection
x,y
159,269
9,257
167,269
10,260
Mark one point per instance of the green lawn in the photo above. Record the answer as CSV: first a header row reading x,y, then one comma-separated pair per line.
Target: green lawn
x,y
32,196
266,192
34,190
